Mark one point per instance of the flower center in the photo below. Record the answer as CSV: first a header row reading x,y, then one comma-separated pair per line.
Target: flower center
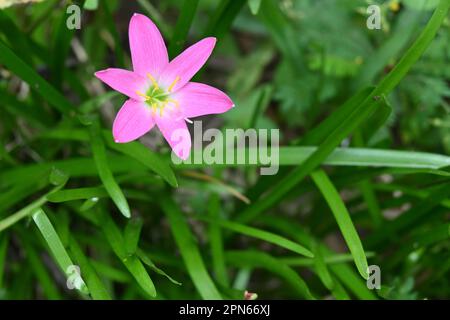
x,y
158,98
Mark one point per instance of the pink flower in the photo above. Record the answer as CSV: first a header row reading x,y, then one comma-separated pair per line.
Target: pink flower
x,y
160,91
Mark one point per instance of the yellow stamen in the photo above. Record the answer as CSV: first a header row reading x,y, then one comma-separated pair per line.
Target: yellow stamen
x,y
161,110
146,97
174,83
153,80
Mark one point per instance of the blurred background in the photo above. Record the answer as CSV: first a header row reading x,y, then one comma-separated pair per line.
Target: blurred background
x,y
287,65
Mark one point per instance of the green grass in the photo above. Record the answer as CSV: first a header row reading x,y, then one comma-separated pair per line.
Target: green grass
x,y
364,161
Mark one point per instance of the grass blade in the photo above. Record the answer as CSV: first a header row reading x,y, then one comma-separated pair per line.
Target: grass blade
x,y
263,235
187,13
147,261
190,252
104,172
343,220
131,262
132,234
95,285
57,249
36,82
216,241
257,259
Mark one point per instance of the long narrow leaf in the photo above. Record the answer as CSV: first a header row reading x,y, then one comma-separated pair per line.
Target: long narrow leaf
x,y
343,220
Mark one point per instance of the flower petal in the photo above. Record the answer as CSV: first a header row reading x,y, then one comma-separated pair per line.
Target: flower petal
x,y
133,120
198,99
148,51
187,64
124,81
177,135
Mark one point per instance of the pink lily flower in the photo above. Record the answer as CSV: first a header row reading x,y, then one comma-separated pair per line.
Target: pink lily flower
x,y
160,91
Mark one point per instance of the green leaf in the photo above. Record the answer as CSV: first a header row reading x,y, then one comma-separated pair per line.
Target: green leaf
x,y
147,261
187,13
222,18
132,234
254,6
189,251
36,82
343,220
216,241
77,194
288,156
258,259
263,235
131,262
104,172
96,288
57,249
321,268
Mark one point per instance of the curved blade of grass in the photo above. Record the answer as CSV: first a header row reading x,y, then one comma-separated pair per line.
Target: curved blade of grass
x,y
324,129
77,194
56,247
263,235
406,26
343,220
321,267
132,234
131,262
36,82
104,172
326,258
216,241
95,285
189,251
359,157
147,261
257,259
351,280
